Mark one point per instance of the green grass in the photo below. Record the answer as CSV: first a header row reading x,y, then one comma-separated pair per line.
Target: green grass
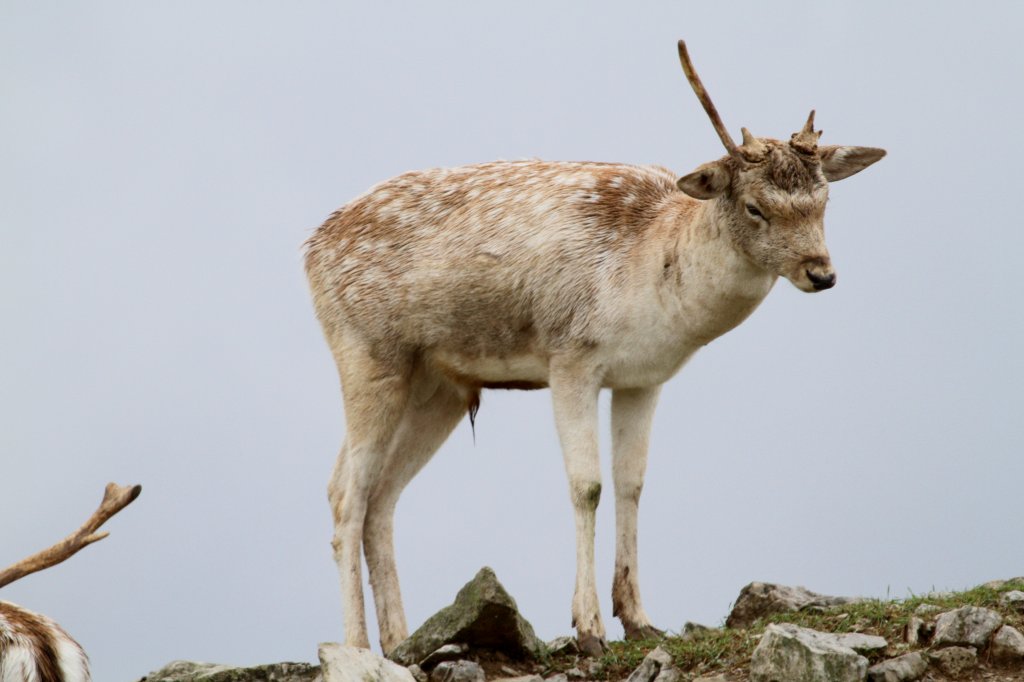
x,y
722,650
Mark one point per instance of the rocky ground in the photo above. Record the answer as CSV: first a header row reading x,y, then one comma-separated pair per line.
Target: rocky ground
x,y
773,634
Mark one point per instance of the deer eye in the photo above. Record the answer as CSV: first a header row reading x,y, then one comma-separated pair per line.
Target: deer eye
x,y
755,212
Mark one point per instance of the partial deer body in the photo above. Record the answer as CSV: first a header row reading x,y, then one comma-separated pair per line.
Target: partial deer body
x,y
570,276
33,648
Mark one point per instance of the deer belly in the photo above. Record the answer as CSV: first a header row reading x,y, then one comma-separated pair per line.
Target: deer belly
x,y
524,371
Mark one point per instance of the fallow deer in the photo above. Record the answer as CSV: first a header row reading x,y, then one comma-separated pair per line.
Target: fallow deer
x,y
34,648
576,277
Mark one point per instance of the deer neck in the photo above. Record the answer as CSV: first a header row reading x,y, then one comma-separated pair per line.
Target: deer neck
x,y
716,285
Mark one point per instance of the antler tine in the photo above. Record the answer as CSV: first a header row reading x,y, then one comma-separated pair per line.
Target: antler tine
x,y
115,498
705,100
809,126
806,141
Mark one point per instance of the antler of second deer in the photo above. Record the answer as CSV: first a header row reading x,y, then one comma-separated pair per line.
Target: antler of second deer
x,y
705,100
115,498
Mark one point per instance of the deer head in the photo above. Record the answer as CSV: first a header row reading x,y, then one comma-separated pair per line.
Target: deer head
x,y
771,194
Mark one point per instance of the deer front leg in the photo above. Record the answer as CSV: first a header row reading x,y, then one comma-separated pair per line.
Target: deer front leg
x,y
574,390
632,412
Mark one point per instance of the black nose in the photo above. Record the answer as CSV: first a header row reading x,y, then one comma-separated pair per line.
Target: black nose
x,y
821,282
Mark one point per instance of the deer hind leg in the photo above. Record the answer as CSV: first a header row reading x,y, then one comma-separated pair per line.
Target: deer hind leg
x,y
574,391
375,395
433,410
632,412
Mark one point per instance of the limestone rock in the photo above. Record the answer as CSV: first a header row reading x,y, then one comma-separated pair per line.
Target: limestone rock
x,y
914,632
563,646
1008,645
457,671
669,674
900,669
449,652
521,678
184,671
191,671
997,584
955,660
483,616
966,626
653,665
712,678
757,600
1013,599
789,652
418,673
926,610
861,643
341,663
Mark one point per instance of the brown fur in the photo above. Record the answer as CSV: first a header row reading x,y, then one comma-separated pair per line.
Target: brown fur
x,y
38,635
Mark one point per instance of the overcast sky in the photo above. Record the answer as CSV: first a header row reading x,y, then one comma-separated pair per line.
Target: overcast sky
x,y
162,162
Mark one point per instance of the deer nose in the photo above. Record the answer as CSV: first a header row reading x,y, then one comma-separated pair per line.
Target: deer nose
x,y
821,282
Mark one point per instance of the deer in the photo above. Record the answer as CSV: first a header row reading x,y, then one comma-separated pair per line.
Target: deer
x,y
571,276
33,647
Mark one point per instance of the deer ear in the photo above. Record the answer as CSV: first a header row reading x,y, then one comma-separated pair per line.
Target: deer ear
x,y
708,181
842,162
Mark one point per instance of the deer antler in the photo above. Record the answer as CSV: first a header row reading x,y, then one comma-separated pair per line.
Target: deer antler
x,y
115,498
806,141
705,100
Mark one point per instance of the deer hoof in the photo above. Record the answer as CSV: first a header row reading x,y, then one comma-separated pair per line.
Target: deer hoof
x,y
592,645
642,631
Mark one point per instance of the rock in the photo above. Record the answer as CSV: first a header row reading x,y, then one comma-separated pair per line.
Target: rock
x,y
900,669
575,674
966,626
341,663
693,630
999,584
520,678
191,671
457,671
184,671
652,666
1007,645
483,616
790,652
418,673
926,610
712,678
449,652
563,646
1014,599
862,644
757,600
914,632
955,660
560,677
669,674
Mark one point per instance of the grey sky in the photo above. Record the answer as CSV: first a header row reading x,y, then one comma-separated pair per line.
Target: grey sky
x,y
161,164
